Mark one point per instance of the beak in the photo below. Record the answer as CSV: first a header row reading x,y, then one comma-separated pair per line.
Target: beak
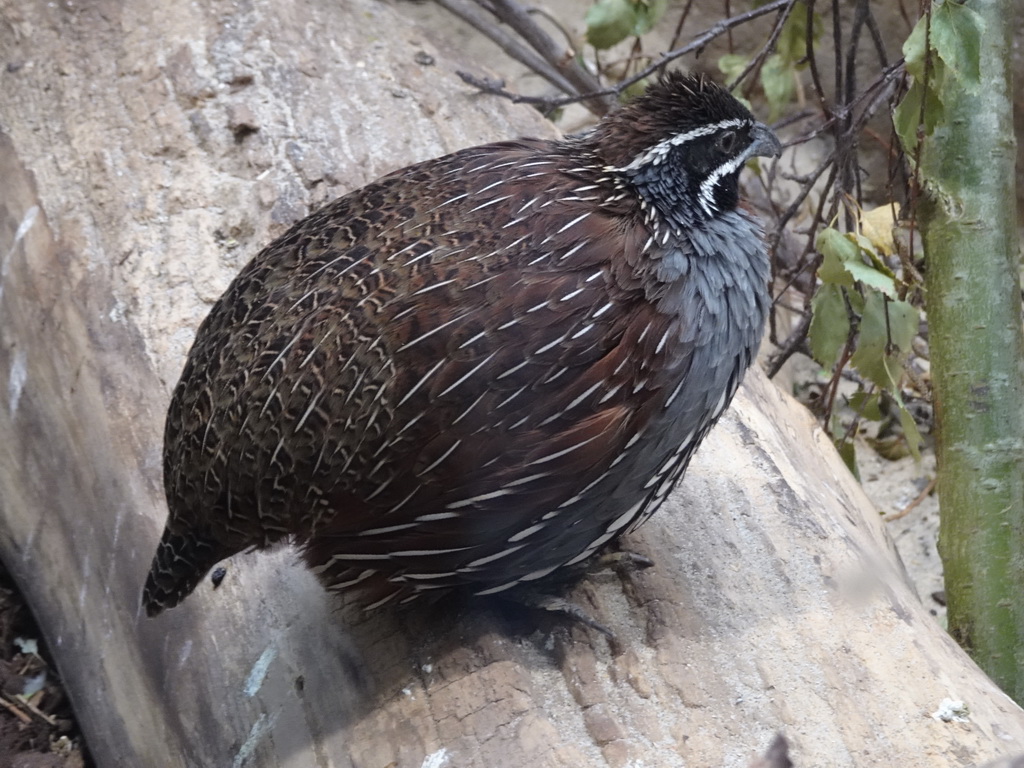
x,y
764,142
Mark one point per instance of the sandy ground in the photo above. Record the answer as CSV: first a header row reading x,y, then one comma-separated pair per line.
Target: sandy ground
x,y
892,486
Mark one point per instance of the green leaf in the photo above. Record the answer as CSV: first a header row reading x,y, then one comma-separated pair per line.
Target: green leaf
x,y
648,13
904,322
831,239
856,301
872,340
732,65
830,325
835,250
610,22
843,261
915,48
910,431
884,322
907,116
778,84
956,39
846,448
871,277
848,453
867,404
792,41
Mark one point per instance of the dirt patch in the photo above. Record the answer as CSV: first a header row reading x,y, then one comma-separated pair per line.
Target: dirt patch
x,y
37,726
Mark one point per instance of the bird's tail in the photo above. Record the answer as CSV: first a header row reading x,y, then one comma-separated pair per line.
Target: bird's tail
x,y
180,563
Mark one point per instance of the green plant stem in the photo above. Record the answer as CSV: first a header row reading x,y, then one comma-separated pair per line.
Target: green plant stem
x,y
968,220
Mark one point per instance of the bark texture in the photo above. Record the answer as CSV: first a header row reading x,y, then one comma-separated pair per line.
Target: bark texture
x,y
146,151
970,236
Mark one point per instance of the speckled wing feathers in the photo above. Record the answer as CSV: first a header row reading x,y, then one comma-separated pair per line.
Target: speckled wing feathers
x,y
479,369
415,384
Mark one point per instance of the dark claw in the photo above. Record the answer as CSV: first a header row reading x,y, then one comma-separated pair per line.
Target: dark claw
x,y
559,605
217,576
623,561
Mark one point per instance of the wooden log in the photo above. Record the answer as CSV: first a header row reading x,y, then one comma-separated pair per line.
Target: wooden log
x,y
147,150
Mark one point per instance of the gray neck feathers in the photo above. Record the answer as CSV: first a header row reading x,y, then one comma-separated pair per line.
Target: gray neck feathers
x,y
717,281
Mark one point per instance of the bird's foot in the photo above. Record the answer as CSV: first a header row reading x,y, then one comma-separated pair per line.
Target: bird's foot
x,y
555,604
622,561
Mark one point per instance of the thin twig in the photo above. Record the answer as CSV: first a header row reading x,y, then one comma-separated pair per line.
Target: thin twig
x,y
680,24
878,90
15,711
697,44
15,708
915,503
701,41
794,343
825,165
583,81
768,48
813,61
472,16
859,20
832,389
915,186
497,88
876,38
555,22
39,713
854,426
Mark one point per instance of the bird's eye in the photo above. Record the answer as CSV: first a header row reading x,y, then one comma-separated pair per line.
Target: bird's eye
x,y
727,142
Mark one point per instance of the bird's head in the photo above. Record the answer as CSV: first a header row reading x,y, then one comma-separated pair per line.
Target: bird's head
x,y
682,145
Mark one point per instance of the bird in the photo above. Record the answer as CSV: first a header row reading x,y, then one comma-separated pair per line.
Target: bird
x,y
477,371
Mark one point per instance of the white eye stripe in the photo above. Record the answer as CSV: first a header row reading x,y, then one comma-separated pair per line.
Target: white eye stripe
x,y
707,187
660,149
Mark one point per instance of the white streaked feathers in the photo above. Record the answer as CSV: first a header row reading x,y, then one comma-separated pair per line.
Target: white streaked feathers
x,y
659,151
707,187
585,321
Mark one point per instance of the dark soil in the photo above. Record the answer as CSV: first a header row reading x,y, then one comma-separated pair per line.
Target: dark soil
x,y
37,726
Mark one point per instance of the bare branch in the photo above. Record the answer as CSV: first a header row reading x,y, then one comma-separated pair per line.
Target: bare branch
x,y
497,88
768,47
679,25
795,342
563,60
812,61
472,16
696,45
